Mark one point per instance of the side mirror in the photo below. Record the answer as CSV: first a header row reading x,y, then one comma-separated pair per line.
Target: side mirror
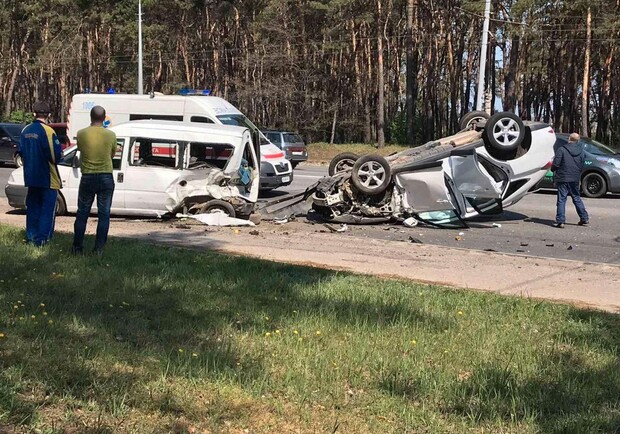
x,y
76,162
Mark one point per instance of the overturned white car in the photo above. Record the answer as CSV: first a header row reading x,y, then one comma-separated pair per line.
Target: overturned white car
x,y
483,169
163,167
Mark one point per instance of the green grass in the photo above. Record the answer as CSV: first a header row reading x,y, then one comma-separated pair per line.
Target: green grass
x,y
157,340
324,152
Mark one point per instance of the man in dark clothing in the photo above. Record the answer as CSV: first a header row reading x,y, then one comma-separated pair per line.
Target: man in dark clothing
x,y
567,166
40,151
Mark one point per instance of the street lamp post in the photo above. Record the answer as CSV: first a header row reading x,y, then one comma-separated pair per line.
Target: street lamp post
x,y
140,78
483,56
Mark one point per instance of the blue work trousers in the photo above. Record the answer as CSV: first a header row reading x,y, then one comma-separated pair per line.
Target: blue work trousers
x,y
40,215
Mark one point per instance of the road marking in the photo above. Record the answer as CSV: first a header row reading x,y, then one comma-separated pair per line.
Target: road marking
x,y
308,176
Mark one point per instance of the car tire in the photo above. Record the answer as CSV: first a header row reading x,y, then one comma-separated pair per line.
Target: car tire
x,y
18,161
469,121
61,207
294,164
594,185
217,205
371,174
342,163
504,132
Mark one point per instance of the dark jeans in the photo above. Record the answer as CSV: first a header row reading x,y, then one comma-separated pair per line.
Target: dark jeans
x,y
571,189
40,215
91,185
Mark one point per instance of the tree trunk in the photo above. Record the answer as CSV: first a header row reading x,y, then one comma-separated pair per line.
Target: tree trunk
x,y
586,77
380,82
412,73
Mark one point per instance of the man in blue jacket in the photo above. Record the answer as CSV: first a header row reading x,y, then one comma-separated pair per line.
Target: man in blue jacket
x,y
567,166
40,151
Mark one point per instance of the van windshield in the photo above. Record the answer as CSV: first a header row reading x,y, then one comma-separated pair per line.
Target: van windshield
x,y
239,120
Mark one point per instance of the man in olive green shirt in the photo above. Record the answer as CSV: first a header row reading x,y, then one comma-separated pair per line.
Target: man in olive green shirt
x,y
97,147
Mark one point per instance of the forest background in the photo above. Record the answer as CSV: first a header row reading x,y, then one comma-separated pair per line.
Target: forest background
x,y
373,71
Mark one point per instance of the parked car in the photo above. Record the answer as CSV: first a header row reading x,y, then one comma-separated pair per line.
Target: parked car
x,y
60,128
189,177
601,173
293,145
9,141
481,170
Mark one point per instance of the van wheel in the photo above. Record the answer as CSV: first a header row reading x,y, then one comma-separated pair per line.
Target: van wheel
x,y
17,160
217,206
61,207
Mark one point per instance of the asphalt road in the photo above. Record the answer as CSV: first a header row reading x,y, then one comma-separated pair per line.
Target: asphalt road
x,y
526,228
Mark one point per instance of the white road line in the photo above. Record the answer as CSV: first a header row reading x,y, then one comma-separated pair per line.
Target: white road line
x,y
308,176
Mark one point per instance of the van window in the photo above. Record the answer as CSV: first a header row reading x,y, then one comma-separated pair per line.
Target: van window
x,y
201,120
154,152
203,155
141,117
118,157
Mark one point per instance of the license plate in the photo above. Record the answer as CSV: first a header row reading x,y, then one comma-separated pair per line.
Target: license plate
x,y
286,179
298,153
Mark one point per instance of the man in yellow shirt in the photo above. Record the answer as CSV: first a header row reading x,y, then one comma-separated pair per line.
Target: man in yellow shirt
x,y
97,147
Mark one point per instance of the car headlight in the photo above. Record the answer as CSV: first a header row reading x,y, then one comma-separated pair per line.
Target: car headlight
x,y
614,163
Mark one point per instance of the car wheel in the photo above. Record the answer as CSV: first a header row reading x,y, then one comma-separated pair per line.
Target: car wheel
x,y
504,132
61,207
469,121
371,174
217,206
342,163
17,159
593,185
294,164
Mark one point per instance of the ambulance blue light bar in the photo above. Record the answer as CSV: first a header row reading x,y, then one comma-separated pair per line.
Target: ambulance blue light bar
x,y
187,92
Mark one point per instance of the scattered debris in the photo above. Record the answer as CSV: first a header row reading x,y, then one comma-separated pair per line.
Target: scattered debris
x,y
415,240
490,250
461,233
550,245
410,222
459,238
496,225
520,251
281,221
342,228
254,232
218,219
524,244
570,248
182,226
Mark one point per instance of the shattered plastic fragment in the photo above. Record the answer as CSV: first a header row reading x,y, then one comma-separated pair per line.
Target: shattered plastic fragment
x,y
496,225
410,222
218,219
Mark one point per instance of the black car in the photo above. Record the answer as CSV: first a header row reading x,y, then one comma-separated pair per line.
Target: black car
x,y
9,141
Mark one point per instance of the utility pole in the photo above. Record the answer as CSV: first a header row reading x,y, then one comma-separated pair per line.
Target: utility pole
x,y
140,79
483,56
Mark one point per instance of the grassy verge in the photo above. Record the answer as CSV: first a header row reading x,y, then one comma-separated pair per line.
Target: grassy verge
x,y
322,153
159,340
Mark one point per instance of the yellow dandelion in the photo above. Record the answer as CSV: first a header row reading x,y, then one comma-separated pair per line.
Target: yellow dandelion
x,y
44,313
194,355
266,318
181,350
33,316
460,312
318,332
277,332
50,322
41,304
295,332
267,334
2,335
414,342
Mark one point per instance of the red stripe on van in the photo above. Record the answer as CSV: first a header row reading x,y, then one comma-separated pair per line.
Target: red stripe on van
x,y
273,156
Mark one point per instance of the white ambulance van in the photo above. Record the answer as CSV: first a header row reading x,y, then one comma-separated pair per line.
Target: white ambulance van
x,y
275,171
